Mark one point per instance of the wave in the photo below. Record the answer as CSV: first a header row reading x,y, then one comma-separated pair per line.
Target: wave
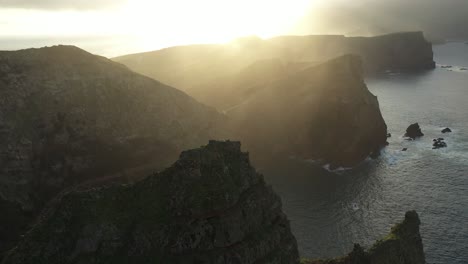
x,y
452,68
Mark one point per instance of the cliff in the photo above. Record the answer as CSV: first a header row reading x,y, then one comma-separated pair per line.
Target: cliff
x,y
67,116
405,51
402,246
323,112
193,68
408,51
320,111
209,207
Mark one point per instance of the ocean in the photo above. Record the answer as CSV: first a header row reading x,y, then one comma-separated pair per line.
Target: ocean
x,y
329,211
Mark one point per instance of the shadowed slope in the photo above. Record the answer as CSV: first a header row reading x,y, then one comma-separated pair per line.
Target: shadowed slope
x,y
194,68
209,207
67,116
322,112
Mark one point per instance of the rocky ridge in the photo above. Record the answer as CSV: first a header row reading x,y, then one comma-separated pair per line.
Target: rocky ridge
x,y
67,116
211,206
65,113
193,68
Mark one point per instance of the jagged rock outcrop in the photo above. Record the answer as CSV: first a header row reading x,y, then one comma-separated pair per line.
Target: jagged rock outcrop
x,y
323,112
67,116
446,130
414,131
209,207
402,246
438,143
196,67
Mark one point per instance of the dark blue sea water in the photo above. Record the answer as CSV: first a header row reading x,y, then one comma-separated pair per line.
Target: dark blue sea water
x,y
331,211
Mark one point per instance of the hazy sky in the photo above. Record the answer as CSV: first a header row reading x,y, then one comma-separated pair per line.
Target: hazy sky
x,y
437,18
114,27
61,4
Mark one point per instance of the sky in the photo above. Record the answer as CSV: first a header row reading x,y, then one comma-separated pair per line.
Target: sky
x,y
439,19
112,27
116,27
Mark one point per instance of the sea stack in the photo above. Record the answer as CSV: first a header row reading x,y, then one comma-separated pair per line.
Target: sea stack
x,y
446,130
414,131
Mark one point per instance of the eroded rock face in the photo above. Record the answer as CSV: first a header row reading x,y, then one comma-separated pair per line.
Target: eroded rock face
x,y
66,113
402,246
323,112
209,207
67,116
414,131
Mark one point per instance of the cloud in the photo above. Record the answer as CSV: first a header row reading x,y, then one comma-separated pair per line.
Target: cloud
x,y
61,4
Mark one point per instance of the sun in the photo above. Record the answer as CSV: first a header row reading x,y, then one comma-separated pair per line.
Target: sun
x,y
177,22
144,25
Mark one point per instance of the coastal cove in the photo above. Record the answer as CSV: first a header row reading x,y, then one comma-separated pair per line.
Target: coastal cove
x,y
234,132
329,211
74,116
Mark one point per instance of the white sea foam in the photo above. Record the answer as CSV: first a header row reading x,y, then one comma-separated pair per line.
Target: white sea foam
x,y
452,68
336,170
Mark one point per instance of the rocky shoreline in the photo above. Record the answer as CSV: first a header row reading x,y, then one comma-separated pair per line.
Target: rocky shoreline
x,y
75,126
210,206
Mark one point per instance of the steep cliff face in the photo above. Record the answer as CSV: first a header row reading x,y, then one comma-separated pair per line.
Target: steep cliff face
x,y
402,246
322,112
67,116
209,207
396,52
193,68
406,51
